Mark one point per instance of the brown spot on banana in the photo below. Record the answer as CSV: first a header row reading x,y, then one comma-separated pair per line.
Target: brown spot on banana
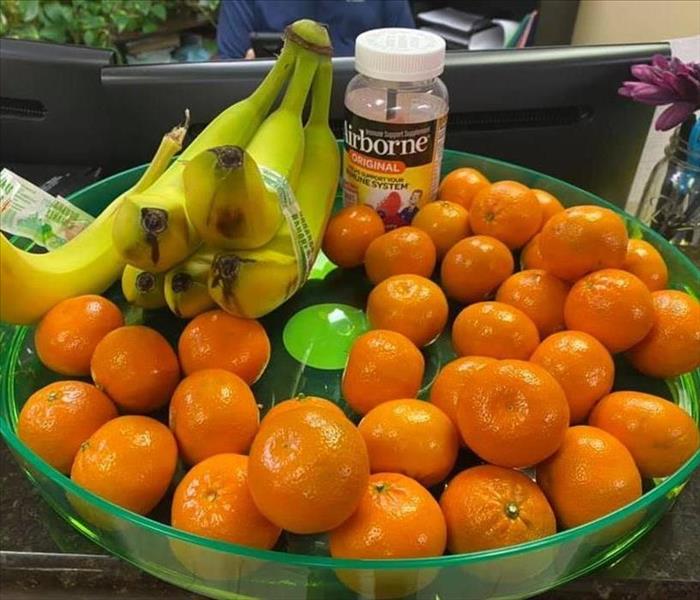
x,y
154,221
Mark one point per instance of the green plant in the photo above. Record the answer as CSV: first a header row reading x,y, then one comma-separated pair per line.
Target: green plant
x,y
92,22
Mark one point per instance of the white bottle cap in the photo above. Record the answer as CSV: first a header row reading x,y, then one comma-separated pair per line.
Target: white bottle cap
x,y
398,54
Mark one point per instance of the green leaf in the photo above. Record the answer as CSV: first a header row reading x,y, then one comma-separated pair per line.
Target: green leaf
x,y
149,27
159,11
90,37
94,22
53,12
27,32
142,6
29,9
122,22
68,14
53,33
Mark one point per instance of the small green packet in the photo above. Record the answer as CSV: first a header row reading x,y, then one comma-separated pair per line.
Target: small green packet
x,y
28,211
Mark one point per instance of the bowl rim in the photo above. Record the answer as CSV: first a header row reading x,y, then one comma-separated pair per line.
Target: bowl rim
x,y
304,560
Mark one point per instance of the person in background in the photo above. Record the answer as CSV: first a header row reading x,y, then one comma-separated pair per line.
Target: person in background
x,y
346,19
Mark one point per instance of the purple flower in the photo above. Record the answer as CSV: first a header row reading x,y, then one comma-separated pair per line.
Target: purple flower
x,y
666,82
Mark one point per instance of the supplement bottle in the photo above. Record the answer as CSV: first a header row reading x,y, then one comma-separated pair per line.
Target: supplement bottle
x,y
396,113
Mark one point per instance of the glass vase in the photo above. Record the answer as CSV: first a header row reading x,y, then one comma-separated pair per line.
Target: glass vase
x,y
671,200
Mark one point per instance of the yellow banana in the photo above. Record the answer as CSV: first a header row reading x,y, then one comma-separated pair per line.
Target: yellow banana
x,y
279,142
186,285
321,168
227,200
30,284
152,230
143,288
252,283
163,234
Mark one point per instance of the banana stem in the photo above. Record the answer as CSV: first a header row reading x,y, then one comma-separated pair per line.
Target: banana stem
x,y
305,68
170,145
321,93
267,91
310,35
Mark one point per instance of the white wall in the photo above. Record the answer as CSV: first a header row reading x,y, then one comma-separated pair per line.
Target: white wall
x,y
621,21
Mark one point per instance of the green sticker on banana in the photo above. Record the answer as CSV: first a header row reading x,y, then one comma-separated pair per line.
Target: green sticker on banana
x,y
302,238
28,211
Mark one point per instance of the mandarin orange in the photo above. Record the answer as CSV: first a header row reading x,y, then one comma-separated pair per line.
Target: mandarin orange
x,y
453,380
406,250
136,367
489,507
412,437
396,302
474,267
129,461
445,222
382,365
514,414
583,239
67,335
213,500
549,203
462,185
612,305
308,470
659,434
218,340
59,417
589,476
582,366
530,256
644,261
212,412
508,211
349,233
672,346
397,518
539,295
494,329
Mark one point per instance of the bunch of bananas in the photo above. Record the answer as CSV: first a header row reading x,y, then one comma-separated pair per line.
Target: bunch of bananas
x,y
236,220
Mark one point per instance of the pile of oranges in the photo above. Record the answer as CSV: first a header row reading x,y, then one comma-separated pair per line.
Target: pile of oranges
x,y
530,391
531,387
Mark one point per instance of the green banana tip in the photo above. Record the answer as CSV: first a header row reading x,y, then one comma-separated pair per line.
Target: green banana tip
x,y
311,35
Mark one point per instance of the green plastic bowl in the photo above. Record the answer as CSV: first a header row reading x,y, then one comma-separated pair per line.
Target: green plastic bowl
x,y
299,567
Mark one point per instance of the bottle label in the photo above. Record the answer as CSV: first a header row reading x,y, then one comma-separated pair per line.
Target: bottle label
x,y
392,167
300,232
28,211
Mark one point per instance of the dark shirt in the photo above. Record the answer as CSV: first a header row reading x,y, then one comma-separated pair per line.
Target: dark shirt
x,y
346,19
408,213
